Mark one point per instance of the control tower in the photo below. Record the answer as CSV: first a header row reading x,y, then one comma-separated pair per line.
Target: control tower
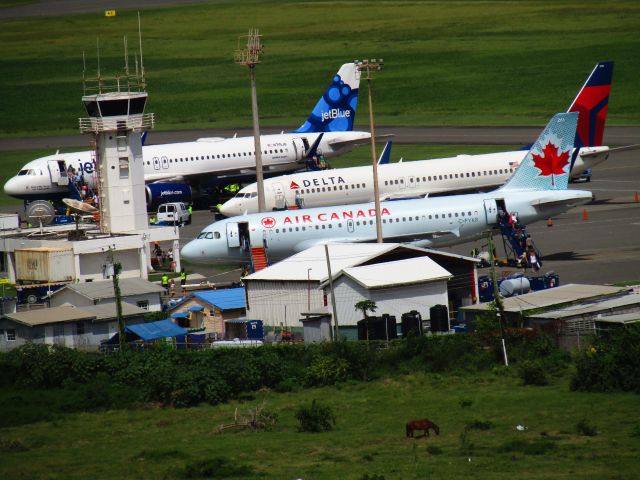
x,y
116,120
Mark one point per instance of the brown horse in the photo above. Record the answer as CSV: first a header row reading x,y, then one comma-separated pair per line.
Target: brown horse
x,y
424,424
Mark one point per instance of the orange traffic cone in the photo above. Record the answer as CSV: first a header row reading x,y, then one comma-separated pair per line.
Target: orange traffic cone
x,y
584,214
549,222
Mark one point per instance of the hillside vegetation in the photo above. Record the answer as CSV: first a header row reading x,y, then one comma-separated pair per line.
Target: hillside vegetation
x,y
466,62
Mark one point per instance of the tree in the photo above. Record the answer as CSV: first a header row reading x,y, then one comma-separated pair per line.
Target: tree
x,y
366,306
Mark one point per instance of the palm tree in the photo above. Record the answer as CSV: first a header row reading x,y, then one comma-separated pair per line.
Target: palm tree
x,y
366,306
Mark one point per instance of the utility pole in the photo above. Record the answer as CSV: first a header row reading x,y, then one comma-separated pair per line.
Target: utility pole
x,y
333,297
367,68
496,295
114,268
250,57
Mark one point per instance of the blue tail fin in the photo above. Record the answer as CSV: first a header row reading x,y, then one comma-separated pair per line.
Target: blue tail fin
x,y
546,166
386,153
336,109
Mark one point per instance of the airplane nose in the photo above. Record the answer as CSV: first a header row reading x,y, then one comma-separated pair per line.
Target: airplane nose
x,y
12,187
193,252
228,210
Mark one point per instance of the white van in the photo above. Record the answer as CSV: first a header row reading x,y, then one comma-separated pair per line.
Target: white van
x,y
175,213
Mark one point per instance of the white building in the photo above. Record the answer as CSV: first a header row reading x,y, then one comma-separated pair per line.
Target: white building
x,y
399,278
134,291
82,328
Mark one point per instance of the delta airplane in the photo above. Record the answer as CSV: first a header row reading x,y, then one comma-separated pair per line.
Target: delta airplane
x,y
537,190
180,171
460,174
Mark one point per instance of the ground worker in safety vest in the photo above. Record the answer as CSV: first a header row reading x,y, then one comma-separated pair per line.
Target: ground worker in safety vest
x,y
165,281
183,277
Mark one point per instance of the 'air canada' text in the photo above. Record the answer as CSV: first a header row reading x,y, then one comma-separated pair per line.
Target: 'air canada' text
x,y
327,217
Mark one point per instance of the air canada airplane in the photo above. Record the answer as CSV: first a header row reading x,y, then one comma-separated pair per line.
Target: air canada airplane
x,y
460,174
179,171
537,190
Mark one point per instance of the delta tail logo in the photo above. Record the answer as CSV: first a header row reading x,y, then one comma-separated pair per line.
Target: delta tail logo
x,y
551,162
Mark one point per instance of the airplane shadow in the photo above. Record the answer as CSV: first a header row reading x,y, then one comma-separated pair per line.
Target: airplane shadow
x,y
565,256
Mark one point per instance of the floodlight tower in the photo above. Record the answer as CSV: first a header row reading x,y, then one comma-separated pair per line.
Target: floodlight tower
x,y
115,106
250,56
367,69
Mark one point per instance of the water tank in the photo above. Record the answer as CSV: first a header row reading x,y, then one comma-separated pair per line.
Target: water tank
x,y
379,328
439,318
514,285
411,323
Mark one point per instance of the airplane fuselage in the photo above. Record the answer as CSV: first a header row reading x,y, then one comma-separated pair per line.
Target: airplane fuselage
x,y
434,222
193,163
463,173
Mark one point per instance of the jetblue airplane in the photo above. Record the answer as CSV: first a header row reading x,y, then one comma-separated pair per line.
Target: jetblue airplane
x,y
180,171
460,174
537,190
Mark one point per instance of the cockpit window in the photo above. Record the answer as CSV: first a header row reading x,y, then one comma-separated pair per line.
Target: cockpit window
x,y
23,172
254,194
33,172
216,235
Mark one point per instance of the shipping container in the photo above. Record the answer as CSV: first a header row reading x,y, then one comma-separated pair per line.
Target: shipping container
x,y
44,265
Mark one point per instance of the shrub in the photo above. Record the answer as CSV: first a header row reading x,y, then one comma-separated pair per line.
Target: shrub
x,y
315,418
535,447
434,450
611,363
479,425
326,371
583,427
465,403
533,373
216,468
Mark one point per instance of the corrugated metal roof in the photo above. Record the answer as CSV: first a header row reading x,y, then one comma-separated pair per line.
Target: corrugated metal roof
x,y
108,310
313,262
400,272
69,313
225,299
66,313
592,307
104,289
622,318
552,296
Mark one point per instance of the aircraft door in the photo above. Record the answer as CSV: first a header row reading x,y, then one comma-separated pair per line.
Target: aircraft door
x,y
58,172
165,162
280,200
233,235
299,150
350,225
491,211
156,163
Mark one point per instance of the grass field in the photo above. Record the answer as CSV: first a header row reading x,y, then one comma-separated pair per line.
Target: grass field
x,y
369,438
12,161
465,62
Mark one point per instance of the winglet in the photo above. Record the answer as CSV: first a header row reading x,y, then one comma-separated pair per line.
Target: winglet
x,y
336,109
546,166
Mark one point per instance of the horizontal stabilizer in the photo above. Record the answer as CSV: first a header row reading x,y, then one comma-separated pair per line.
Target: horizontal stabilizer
x,y
338,144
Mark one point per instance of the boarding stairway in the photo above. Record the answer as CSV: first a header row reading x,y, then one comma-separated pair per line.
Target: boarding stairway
x,y
514,241
258,259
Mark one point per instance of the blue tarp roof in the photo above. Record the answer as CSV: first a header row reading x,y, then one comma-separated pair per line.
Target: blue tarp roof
x,y
197,308
154,330
225,299
179,315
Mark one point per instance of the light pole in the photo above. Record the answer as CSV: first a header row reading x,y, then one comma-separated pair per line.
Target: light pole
x,y
250,56
309,289
367,68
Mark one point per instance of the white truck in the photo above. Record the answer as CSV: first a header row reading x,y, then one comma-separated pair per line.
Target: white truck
x,y
175,213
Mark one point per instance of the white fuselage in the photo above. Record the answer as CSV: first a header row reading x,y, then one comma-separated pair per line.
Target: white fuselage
x,y
438,221
463,173
188,162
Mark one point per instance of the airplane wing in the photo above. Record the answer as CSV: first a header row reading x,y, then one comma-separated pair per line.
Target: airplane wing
x,y
337,144
610,150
